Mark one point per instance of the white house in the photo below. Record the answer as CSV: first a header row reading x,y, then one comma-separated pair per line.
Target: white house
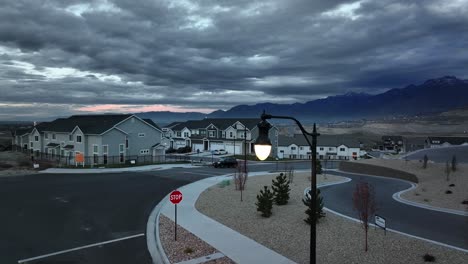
x,y
328,147
211,134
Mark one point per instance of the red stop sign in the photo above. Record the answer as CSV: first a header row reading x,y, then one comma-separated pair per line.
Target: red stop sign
x,y
175,197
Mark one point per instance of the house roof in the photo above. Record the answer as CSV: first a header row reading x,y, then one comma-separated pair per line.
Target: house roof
x,y
89,124
171,125
450,140
220,123
151,122
322,140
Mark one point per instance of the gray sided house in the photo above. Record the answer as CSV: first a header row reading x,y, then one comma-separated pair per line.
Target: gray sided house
x,y
211,134
98,136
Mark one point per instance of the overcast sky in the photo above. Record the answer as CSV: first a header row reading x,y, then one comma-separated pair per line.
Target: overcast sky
x,y
62,57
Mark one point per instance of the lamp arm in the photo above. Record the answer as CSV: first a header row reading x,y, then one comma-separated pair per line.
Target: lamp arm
x,y
304,132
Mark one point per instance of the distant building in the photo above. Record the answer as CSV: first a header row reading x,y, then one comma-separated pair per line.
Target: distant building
x,y
436,142
98,136
335,147
393,144
414,143
211,134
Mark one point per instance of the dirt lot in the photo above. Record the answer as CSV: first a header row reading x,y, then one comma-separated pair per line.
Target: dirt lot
x,y
14,163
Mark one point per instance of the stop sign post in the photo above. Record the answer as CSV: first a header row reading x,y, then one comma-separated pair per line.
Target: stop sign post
x,y
175,197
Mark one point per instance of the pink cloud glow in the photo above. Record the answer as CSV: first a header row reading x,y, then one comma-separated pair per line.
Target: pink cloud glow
x,y
136,108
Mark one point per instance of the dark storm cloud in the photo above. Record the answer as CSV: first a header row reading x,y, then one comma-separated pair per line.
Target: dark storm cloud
x,y
216,54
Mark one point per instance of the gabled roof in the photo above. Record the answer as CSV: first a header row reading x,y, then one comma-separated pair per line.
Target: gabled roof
x,y
151,122
220,123
88,124
322,140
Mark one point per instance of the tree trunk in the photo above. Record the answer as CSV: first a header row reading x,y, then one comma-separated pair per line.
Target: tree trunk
x,y
366,237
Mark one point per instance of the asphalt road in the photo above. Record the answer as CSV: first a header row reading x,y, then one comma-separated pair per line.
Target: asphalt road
x,y
442,154
46,213
443,227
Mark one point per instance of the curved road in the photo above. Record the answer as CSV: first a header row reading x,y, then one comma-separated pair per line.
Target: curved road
x,y
46,213
442,227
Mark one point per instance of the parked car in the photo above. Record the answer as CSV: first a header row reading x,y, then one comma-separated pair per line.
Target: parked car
x,y
226,162
220,152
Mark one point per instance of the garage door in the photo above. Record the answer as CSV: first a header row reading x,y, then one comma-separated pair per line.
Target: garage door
x,y
197,146
230,148
216,145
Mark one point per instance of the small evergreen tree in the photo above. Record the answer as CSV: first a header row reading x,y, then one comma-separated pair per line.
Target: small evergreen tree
x,y
318,166
281,189
265,202
425,161
454,163
311,217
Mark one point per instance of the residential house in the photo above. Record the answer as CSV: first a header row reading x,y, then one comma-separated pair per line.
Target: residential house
x,y
436,142
99,136
211,134
335,147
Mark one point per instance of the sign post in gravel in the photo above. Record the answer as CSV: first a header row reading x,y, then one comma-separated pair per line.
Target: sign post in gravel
x,y
175,197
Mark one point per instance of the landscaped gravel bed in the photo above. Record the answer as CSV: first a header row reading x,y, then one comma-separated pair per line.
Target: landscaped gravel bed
x,y
339,240
177,251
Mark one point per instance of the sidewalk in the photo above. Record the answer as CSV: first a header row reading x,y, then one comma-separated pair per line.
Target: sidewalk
x,y
116,170
237,247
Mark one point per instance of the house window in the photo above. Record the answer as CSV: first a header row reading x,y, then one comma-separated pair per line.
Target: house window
x,y
126,142
230,134
144,151
321,148
300,148
186,134
354,153
342,149
46,136
330,148
121,153
78,139
293,148
36,138
53,136
70,137
179,133
95,149
211,133
31,145
141,134
121,147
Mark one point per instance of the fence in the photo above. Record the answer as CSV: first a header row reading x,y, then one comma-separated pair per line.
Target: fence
x,y
100,160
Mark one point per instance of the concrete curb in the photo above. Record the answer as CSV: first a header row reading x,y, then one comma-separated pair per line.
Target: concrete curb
x,y
397,197
306,191
152,235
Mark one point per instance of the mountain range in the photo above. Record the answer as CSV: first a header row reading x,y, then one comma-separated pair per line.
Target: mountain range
x,y
432,96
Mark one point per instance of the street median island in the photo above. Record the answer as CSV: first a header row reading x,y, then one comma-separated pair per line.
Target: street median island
x,y
339,240
435,188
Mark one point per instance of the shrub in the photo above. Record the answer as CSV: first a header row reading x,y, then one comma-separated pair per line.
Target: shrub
x,y
224,183
448,192
281,189
454,163
265,202
465,202
452,185
170,150
425,161
185,149
311,217
188,250
428,258
5,165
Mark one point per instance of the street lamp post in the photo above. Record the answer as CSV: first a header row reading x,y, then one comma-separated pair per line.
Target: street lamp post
x,y
262,150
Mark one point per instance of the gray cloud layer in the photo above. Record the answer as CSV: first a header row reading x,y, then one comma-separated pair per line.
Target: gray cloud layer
x,y
217,54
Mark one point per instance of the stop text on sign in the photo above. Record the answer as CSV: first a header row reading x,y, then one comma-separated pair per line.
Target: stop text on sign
x,y
175,197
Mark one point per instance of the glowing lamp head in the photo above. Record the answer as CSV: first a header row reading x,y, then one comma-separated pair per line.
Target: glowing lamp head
x,y
263,143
